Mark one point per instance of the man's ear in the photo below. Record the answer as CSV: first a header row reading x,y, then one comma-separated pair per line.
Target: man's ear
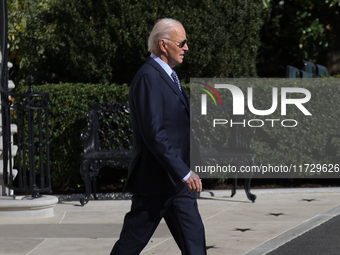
x,y
162,45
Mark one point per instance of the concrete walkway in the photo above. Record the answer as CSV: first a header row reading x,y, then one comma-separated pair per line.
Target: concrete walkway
x,y
233,225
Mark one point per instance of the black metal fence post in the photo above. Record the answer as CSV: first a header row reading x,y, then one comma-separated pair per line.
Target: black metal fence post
x,y
30,111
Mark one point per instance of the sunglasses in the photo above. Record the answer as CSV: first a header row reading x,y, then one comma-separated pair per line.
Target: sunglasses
x,y
181,44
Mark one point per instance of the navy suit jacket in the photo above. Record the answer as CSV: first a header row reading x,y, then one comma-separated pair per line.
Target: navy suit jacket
x,y
160,117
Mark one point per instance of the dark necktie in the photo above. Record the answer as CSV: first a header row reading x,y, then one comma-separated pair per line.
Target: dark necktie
x,y
176,80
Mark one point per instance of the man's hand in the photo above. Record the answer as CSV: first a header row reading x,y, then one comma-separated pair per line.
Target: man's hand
x,y
194,183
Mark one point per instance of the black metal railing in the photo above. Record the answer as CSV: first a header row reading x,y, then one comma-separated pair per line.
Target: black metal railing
x,y
29,171
30,113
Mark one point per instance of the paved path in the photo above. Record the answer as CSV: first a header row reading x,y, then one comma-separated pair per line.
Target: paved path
x,y
233,226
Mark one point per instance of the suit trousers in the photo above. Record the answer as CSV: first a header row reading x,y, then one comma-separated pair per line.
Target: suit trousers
x,y
181,215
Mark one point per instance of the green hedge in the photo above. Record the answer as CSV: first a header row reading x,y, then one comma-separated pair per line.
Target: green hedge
x,y
67,118
316,139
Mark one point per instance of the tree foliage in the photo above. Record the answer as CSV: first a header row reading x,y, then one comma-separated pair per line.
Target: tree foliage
x,y
296,30
106,41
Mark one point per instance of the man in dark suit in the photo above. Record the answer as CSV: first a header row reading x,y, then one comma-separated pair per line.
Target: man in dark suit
x,y
159,176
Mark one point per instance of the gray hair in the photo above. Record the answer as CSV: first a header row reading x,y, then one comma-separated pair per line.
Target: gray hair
x,y
162,29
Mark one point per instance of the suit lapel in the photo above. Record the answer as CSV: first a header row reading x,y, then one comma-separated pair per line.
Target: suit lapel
x,y
186,98
169,82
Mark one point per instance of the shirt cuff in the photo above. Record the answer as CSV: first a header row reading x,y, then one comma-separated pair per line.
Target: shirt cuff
x,y
186,177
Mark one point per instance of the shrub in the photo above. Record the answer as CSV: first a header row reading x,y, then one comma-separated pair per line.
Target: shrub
x,y
316,138
67,118
106,41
